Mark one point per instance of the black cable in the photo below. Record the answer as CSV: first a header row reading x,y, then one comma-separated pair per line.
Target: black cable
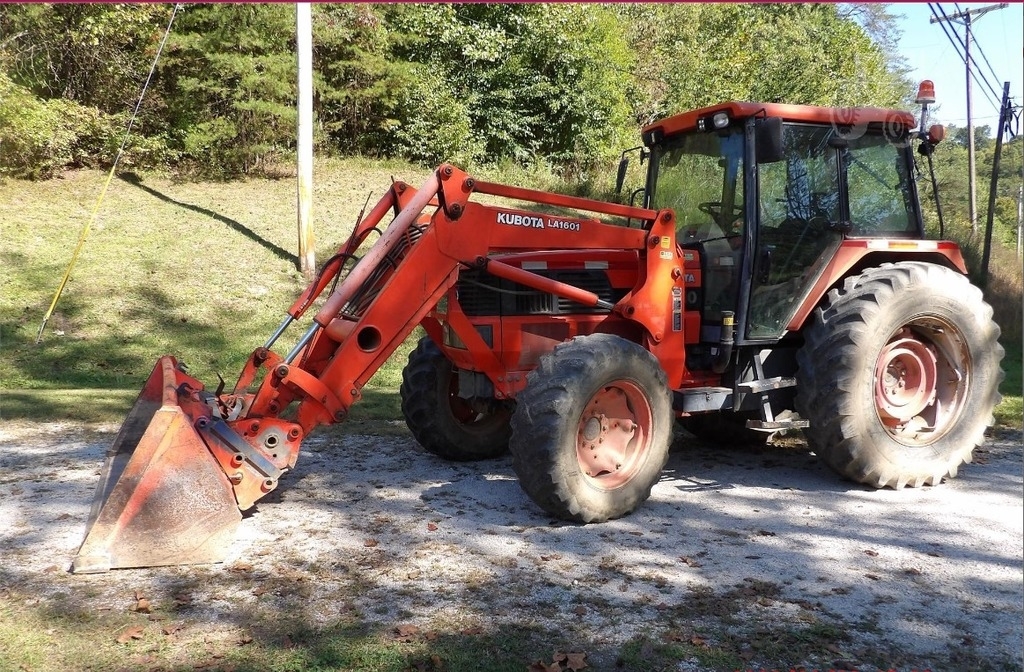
x,y
961,49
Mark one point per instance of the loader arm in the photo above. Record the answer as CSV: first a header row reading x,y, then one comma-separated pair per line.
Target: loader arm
x,y
238,444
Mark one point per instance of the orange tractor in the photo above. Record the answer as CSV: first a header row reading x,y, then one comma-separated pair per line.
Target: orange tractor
x,y
776,276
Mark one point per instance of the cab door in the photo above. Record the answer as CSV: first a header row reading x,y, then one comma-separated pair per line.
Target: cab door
x,y
799,226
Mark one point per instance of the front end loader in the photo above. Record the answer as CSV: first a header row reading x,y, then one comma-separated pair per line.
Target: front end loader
x,y
187,460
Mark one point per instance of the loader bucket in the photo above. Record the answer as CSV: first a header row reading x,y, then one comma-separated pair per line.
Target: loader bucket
x,y
162,498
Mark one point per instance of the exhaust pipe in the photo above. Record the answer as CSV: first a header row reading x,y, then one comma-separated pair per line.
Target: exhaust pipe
x,y
721,360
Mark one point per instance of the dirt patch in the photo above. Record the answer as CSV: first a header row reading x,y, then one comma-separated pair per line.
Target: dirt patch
x,y
762,558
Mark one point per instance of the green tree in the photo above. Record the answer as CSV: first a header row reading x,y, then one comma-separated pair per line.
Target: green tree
x,y
545,80
95,54
228,77
360,86
696,55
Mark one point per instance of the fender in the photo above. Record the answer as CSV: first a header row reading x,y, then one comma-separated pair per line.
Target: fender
x,y
853,253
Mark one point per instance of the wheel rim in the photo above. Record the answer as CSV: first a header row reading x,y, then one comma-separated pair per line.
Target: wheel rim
x,y
921,379
614,435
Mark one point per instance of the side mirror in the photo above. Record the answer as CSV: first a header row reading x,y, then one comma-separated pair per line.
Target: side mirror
x,y
621,176
768,144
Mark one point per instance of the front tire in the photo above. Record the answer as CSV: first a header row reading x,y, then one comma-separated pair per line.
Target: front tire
x,y
441,421
591,429
899,375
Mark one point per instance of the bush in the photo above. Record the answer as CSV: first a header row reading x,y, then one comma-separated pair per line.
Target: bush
x,y
437,127
35,141
38,138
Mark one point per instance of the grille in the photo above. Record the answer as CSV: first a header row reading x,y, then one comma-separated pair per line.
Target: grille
x,y
480,293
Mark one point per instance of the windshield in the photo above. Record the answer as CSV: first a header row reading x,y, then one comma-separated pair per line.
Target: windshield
x,y
700,176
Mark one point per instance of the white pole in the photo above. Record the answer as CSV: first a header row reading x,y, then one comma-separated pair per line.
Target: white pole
x,y
304,45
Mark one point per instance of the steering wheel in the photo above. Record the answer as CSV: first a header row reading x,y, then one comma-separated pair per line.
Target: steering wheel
x,y
714,209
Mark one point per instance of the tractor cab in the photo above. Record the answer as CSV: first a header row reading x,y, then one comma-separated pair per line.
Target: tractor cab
x,y
766,194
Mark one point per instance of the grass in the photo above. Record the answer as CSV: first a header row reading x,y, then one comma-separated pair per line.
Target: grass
x,y
203,271
253,642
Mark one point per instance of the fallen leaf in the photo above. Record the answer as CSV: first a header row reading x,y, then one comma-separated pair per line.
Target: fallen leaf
x,y
182,599
688,561
580,610
699,642
406,633
873,577
134,632
913,571
171,629
241,567
244,638
370,543
469,632
553,556
141,606
765,533
576,661
870,552
431,635
431,527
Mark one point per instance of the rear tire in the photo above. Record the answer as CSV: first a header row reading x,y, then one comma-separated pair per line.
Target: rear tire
x,y
591,429
441,421
899,375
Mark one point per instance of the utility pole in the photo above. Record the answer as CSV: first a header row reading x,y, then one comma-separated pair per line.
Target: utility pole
x,y
304,146
1005,111
966,16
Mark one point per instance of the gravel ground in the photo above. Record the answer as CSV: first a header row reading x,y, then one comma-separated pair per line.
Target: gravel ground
x,y
757,551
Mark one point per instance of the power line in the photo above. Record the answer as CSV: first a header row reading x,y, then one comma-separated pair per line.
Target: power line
x,y
981,51
961,48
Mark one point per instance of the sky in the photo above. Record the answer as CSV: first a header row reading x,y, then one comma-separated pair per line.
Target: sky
x,y
931,55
